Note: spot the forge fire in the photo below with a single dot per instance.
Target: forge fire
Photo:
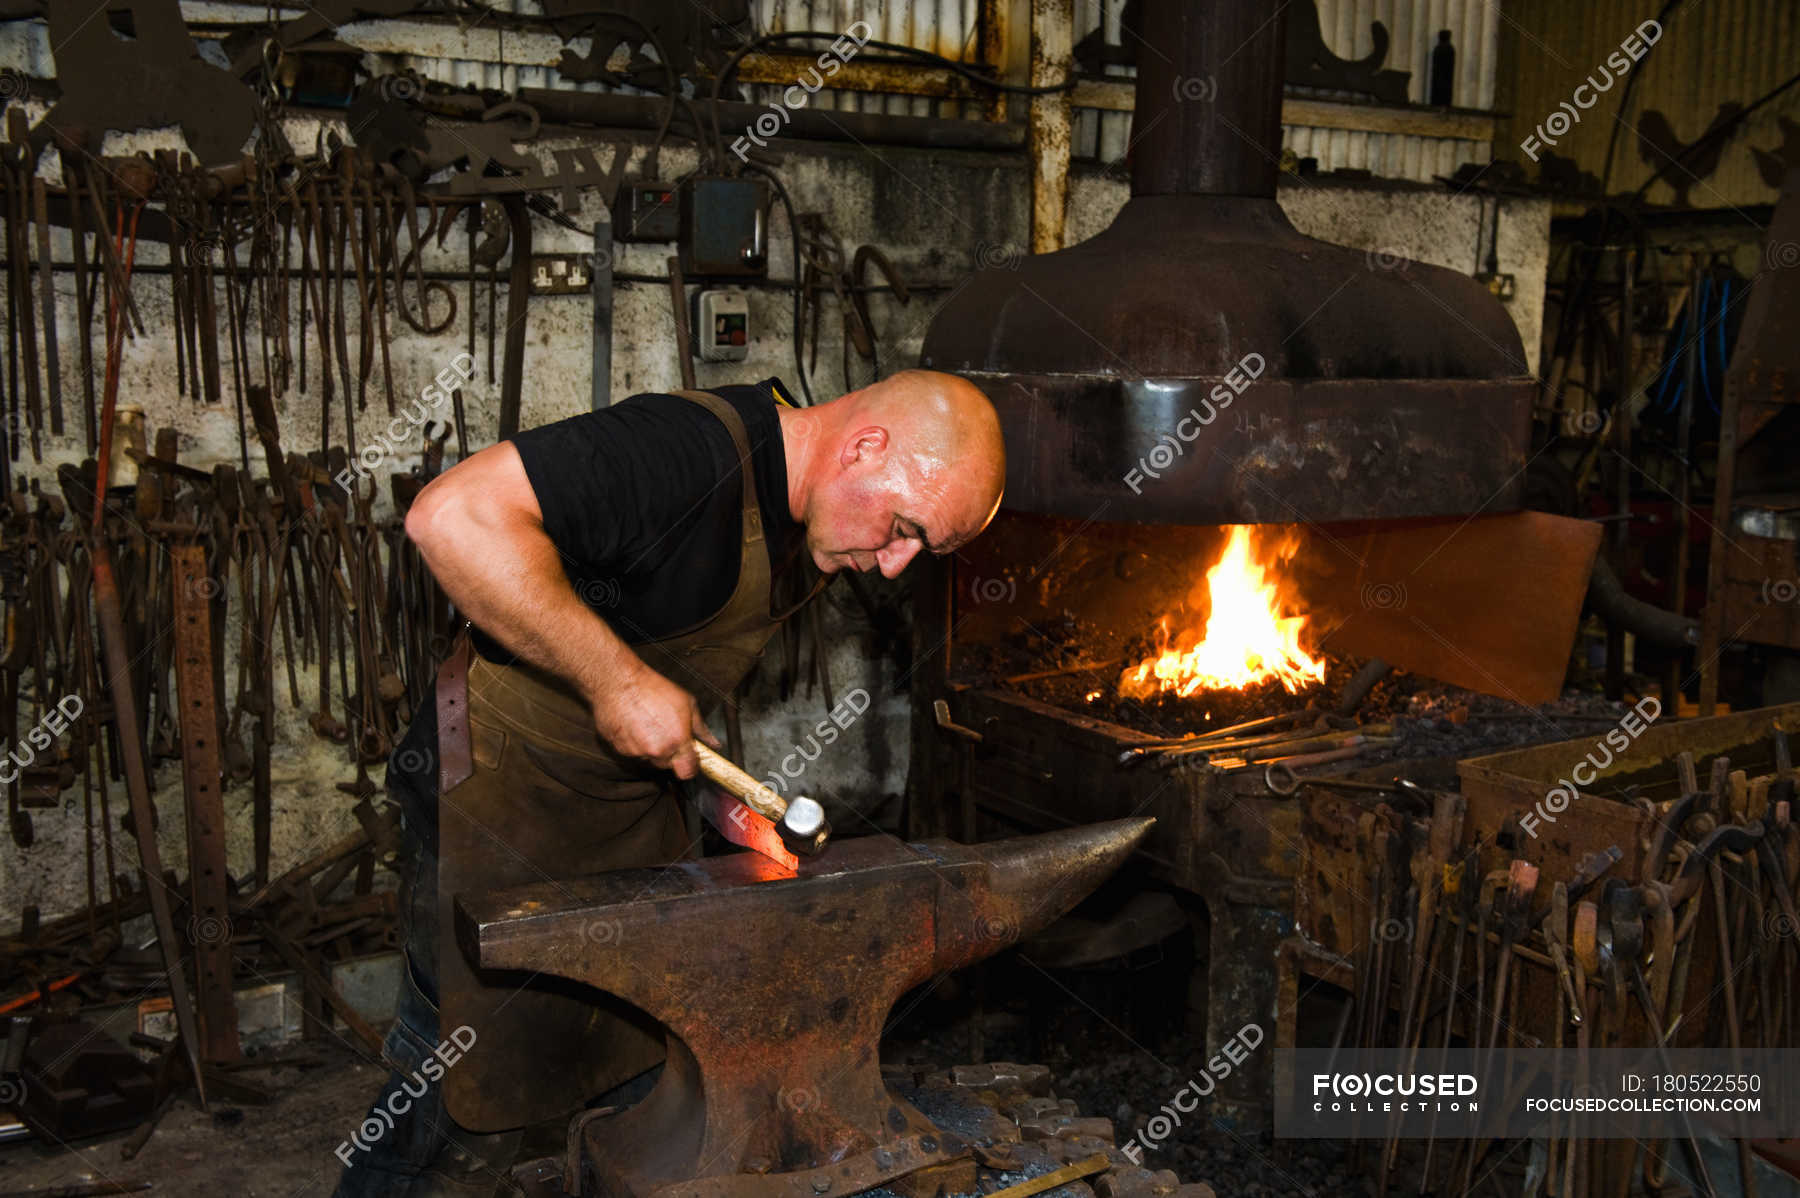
(1244, 638)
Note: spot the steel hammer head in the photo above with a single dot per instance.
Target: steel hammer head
(804, 828)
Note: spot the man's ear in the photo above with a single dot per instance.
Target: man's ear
(866, 443)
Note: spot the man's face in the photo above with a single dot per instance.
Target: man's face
(877, 512)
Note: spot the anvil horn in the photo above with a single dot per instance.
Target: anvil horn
(1026, 883)
(774, 990)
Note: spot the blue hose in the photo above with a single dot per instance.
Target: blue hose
(1668, 371)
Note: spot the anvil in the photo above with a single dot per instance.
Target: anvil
(774, 988)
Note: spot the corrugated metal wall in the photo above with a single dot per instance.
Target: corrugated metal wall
(946, 27)
(1347, 29)
(1385, 155)
(1712, 52)
(1413, 27)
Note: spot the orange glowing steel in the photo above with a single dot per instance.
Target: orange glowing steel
(1247, 639)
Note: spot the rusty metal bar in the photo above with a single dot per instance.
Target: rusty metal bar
(858, 75)
(209, 923)
(1005, 26)
(320, 984)
(137, 786)
(118, 666)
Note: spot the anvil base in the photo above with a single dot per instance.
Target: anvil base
(775, 989)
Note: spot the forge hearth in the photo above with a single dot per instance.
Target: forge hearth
(1033, 626)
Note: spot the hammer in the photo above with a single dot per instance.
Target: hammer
(801, 821)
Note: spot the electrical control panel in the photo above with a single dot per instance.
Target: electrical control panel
(725, 226)
(652, 212)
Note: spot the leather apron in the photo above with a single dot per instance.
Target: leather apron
(547, 799)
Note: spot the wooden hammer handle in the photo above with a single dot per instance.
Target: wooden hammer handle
(758, 796)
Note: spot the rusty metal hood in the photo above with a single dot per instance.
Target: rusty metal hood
(1185, 286)
(1202, 361)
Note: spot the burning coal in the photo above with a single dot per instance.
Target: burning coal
(1248, 637)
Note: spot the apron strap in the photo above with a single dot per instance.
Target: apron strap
(753, 532)
(455, 756)
(740, 437)
(755, 568)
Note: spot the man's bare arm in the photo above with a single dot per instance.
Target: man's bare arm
(478, 526)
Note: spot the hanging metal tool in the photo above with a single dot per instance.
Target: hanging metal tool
(518, 308)
(40, 204)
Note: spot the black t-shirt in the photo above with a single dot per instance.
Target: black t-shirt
(643, 502)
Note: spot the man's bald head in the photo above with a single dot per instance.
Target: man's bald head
(913, 462)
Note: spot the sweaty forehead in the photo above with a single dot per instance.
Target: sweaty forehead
(943, 511)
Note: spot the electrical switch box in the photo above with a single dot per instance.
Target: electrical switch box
(722, 325)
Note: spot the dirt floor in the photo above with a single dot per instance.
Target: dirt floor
(282, 1150)
(1116, 1061)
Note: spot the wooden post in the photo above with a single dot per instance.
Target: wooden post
(1052, 50)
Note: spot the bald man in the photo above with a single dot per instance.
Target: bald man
(622, 571)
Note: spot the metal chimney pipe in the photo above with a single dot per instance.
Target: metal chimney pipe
(1208, 118)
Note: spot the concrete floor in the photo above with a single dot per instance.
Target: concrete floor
(282, 1150)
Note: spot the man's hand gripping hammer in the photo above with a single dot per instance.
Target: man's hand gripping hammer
(800, 820)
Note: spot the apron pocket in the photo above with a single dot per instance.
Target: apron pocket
(601, 777)
(487, 744)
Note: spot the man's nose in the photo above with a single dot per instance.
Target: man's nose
(894, 556)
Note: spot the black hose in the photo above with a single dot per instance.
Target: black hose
(794, 230)
(1606, 596)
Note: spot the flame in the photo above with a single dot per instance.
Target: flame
(1247, 639)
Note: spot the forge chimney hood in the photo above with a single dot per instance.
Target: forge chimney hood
(1203, 362)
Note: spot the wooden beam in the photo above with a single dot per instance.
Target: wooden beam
(1382, 118)
(858, 75)
(1120, 95)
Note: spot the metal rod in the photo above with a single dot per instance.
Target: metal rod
(118, 676)
(1683, 490)
(683, 338)
(600, 277)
